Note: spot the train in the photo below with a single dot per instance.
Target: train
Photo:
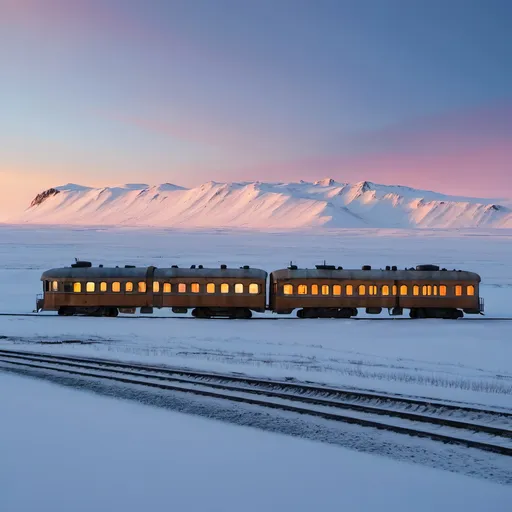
(327, 291)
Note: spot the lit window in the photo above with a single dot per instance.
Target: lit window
(77, 287)
(128, 287)
(458, 290)
(314, 289)
(415, 290)
(103, 287)
(349, 289)
(90, 287)
(395, 289)
(288, 289)
(182, 287)
(141, 287)
(372, 289)
(194, 287)
(254, 288)
(116, 287)
(471, 290)
(210, 288)
(361, 289)
(434, 289)
(167, 287)
(239, 288)
(427, 290)
(55, 286)
(336, 289)
(302, 289)
(156, 286)
(385, 290)
(403, 290)
(325, 289)
(224, 288)
(442, 290)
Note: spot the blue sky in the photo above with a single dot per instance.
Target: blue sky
(103, 92)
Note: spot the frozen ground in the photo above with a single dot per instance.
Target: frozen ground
(64, 450)
(468, 360)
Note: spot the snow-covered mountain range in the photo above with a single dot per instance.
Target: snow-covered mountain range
(263, 205)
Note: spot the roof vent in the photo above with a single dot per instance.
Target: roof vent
(394, 267)
(340, 268)
(81, 264)
(292, 267)
(246, 267)
(388, 267)
(223, 267)
(129, 266)
(325, 267)
(101, 266)
(366, 267)
(192, 266)
(427, 267)
(174, 266)
(200, 266)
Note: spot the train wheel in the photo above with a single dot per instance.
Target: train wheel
(112, 312)
(300, 313)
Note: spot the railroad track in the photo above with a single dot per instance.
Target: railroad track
(475, 427)
(155, 317)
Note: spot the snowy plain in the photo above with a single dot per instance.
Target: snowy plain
(468, 360)
(64, 449)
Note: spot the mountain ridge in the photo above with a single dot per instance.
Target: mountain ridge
(260, 205)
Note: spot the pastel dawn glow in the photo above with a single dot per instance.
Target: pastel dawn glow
(102, 92)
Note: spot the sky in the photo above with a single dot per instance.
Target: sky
(104, 92)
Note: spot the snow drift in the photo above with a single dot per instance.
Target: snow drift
(260, 205)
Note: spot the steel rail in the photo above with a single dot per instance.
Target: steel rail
(29, 361)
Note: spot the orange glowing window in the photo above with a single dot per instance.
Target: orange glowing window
(90, 287)
(434, 290)
(349, 289)
(362, 289)
(404, 290)
(194, 287)
(156, 287)
(395, 289)
(458, 290)
(77, 287)
(116, 286)
(224, 288)
(239, 288)
(325, 289)
(385, 290)
(210, 288)
(128, 287)
(415, 290)
(141, 287)
(167, 287)
(372, 289)
(427, 289)
(471, 290)
(254, 288)
(314, 289)
(336, 289)
(182, 288)
(55, 286)
(442, 290)
(103, 287)
(302, 289)
(288, 289)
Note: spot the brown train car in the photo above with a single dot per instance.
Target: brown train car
(327, 292)
(83, 289)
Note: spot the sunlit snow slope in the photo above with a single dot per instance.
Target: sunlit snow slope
(262, 205)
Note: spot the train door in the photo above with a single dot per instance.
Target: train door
(272, 292)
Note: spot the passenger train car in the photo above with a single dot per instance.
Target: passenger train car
(324, 292)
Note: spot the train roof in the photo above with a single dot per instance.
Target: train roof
(141, 272)
(375, 275)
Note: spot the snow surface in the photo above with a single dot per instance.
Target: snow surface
(261, 205)
(64, 450)
(468, 360)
